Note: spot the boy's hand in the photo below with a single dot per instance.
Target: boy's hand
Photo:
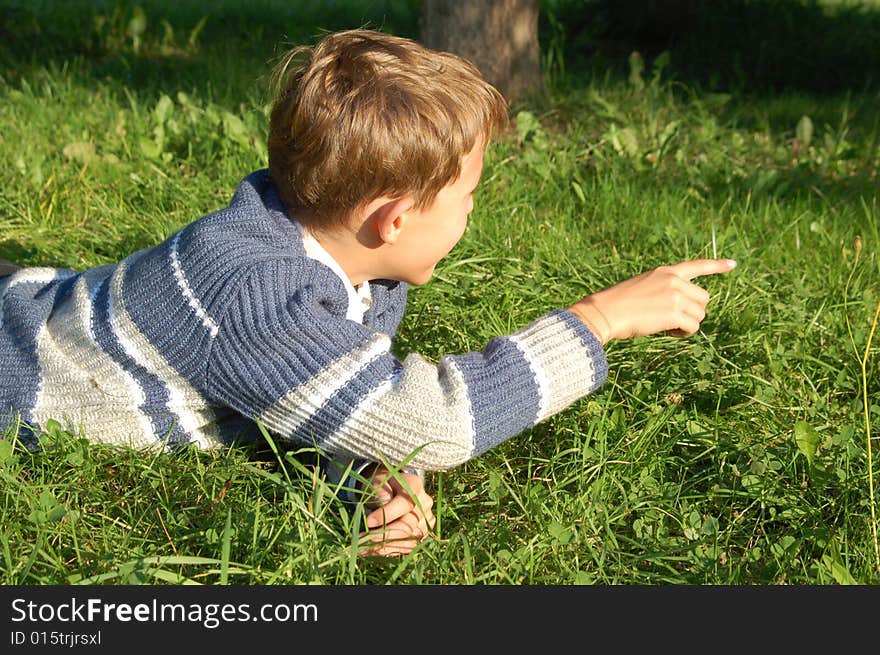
(400, 520)
(661, 300)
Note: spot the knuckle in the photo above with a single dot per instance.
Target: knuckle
(677, 300)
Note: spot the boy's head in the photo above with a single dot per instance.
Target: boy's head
(364, 115)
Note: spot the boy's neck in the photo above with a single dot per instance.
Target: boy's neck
(356, 259)
(366, 246)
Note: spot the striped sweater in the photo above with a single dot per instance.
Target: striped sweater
(229, 321)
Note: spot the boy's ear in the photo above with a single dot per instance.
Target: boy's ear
(390, 217)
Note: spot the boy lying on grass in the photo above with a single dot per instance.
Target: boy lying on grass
(281, 307)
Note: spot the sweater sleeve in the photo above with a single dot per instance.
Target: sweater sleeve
(286, 357)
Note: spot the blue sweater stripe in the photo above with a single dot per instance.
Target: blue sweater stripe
(277, 336)
(157, 306)
(255, 360)
(18, 341)
(503, 392)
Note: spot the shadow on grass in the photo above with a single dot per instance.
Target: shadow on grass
(737, 46)
(15, 252)
(732, 45)
(151, 47)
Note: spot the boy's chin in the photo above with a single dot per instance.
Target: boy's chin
(419, 279)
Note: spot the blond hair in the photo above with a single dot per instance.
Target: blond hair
(364, 114)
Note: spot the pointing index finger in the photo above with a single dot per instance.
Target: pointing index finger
(697, 267)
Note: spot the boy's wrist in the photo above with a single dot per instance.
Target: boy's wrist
(589, 313)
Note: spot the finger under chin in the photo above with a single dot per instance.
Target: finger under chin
(395, 533)
(389, 513)
(396, 548)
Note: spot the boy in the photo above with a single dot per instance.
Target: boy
(281, 307)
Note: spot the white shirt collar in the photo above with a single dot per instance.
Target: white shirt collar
(359, 298)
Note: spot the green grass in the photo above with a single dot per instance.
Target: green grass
(738, 456)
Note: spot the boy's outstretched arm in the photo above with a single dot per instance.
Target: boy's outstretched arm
(661, 300)
(283, 358)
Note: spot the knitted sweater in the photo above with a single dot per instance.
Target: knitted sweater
(228, 321)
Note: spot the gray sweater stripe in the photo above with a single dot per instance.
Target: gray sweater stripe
(333, 414)
(588, 340)
(154, 392)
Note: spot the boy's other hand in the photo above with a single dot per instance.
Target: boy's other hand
(661, 300)
(402, 517)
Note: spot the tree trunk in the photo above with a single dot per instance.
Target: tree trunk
(500, 37)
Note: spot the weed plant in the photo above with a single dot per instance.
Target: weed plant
(741, 455)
